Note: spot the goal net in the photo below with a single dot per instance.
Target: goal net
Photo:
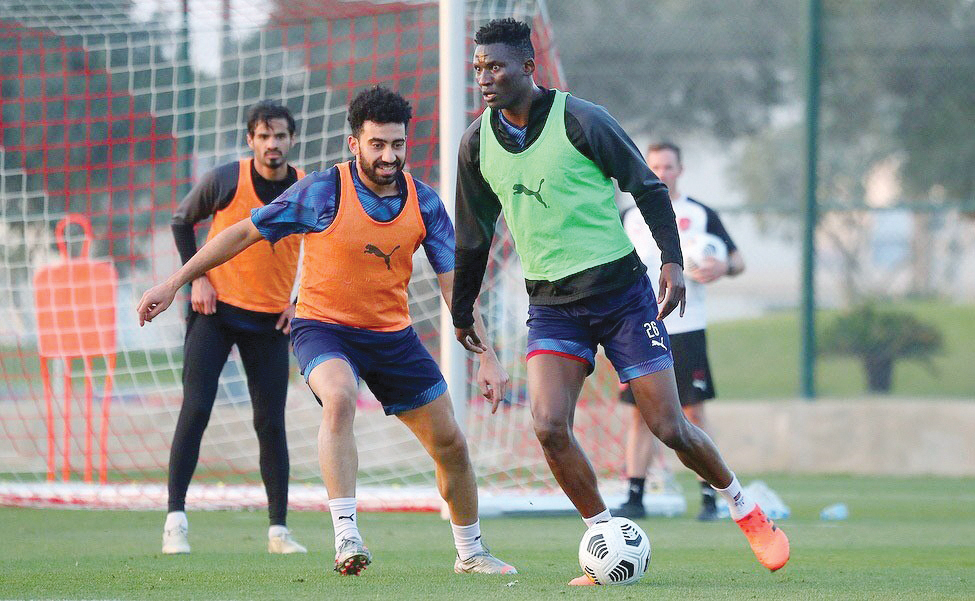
(109, 109)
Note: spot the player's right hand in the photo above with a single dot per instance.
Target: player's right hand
(671, 290)
(203, 297)
(155, 300)
(469, 338)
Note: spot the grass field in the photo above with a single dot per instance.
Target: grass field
(910, 538)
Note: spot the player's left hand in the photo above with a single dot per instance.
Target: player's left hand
(155, 300)
(671, 290)
(492, 379)
(711, 270)
(469, 338)
(284, 320)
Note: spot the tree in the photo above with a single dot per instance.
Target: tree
(880, 338)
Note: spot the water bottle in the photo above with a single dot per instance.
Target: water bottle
(836, 511)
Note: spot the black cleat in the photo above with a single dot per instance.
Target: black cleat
(632, 511)
(709, 513)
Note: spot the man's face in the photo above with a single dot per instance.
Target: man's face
(501, 74)
(664, 163)
(271, 143)
(380, 150)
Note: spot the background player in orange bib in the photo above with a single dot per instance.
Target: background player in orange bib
(245, 302)
(362, 221)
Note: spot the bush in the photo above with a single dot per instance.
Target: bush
(879, 338)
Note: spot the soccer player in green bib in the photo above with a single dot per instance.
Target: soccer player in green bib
(545, 159)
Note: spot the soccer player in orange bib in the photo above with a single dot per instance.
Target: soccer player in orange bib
(245, 302)
(361, 222)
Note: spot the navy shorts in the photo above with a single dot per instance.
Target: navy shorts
(395, 365)
(691, 369)
(623, 321)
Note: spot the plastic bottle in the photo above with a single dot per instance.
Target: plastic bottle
(836, 511)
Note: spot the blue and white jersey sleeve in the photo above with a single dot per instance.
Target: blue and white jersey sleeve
(307, 206)
(439, 241)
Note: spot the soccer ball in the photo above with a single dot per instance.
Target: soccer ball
(614, 552)
(703, 246)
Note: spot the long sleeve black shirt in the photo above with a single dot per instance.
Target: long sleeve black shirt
(214, 192)
(599, 137)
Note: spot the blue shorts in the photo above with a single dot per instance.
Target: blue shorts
(395, 365)
(623, 321)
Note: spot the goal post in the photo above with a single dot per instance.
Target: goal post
(453, 110)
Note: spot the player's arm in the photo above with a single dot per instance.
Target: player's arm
(736, 262)
(477, 209)
(212, 193)
(220, 249)
(598, 136)
(492, 379)
(713, 269)
(439, 245)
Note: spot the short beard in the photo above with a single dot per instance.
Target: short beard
(274, 162)
(370, 172)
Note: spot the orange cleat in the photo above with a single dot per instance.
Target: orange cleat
(769, 543)
(583, 580)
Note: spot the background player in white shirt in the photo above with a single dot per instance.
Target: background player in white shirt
(687, 338)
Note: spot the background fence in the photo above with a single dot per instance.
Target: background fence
(729, 83)
(110, 109)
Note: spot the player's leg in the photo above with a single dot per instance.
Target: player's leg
(434, 426)
(408, 383)
(336, 386)
(437, 430)
(554, 383)
(694, 386)
(657, 400)
(205, 352)
(561, 353)
(266, 362)
(656, 396)
(639, 348)
(709, 509)
(330, 368)
(639, 451)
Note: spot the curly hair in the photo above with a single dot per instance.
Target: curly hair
(266, 110)
(510, 32)
(379, 105)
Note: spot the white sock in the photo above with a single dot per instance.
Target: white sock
(176, 518)
(739, 503)
(603, 516)
(467, 539)
(277, 530)
(344, 519)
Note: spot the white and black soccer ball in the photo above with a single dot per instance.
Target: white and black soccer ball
(700, 247)
(615, 552)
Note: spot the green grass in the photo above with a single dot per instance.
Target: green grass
(759, 358)
(907, 538)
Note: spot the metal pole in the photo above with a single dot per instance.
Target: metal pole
(184, 102)
(808, 358)
(453, 85)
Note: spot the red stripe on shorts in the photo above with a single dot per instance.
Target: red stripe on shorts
(557, 353)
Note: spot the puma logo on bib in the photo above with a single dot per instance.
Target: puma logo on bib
(537, 194)
(372, 249)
